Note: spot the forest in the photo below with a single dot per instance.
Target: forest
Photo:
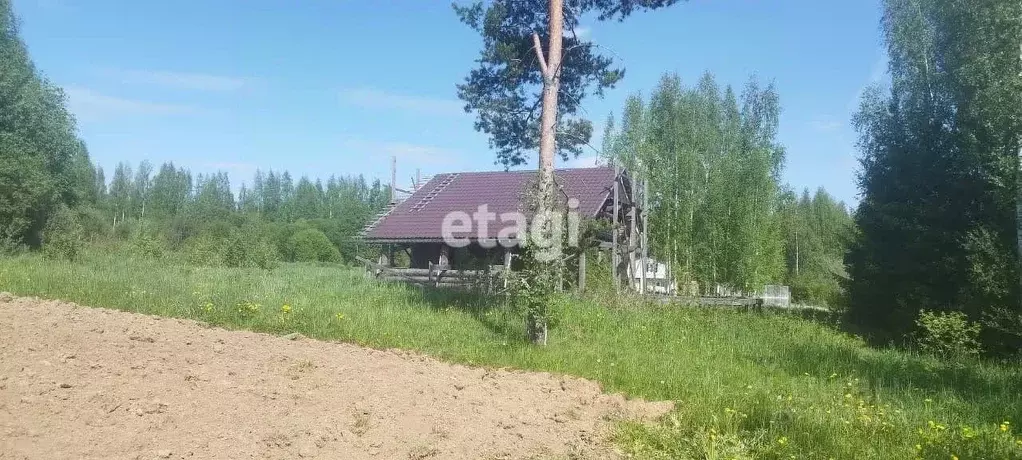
(719, 214)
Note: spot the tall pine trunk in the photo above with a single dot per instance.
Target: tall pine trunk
(1018, 201)
(1018, 220)
(551, 67)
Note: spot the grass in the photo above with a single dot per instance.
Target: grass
(748, 385)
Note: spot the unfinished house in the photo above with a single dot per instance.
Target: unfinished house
(414, 249)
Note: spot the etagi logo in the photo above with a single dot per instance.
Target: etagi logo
(546, 231)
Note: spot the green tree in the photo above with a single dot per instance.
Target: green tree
(42, 161)
(713, 165)
(938, 218)
(525, 96)
(120, 191)
(170, 191)
(308, 200)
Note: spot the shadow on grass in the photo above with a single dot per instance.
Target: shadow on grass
(980, 384)
(490, 310)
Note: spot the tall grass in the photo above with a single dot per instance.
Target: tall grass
(748, 385)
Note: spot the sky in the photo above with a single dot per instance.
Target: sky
(321, 87)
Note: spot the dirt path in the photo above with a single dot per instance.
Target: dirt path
(80, 382)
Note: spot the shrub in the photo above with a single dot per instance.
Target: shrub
(948, 334)
(246, 248)
(146, 243)
(1002, 332)
(95, 225)
(123, 230)
(62, 235)
(204, 251)
(240, 249)
(311, 245)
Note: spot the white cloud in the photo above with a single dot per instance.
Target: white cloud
(584, 162)
(583, 32)
(179, 80)
(370, 98)
(91, 105)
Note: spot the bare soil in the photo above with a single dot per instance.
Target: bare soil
(78, 382)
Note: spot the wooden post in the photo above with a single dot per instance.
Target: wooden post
(507, 266)
(634, 238)
(613, 252)
(582, 271)
(645, 238)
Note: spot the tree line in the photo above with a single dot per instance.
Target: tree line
(718, 215)
(51, 195)
(43, 163)
(273, 196)
(181, 206)
(941, 207)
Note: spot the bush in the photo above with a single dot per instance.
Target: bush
(146, 243)
(239, 249)
(95, 225)
(246, 248)
(125, 229)
(263, 254)
(63, 235)
(312, 245)
(1002, 333)
(948, 334)
(204, 251)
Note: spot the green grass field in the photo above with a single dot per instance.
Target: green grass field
(748, 385)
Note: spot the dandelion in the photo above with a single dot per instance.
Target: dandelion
(783, 440)
(1005, 425)
(339, 316)
(285, 309)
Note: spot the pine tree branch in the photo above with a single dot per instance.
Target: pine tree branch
(539, 53)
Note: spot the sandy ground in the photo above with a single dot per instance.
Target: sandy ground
(79, 382)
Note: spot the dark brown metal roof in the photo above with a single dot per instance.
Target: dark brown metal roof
(420, 217)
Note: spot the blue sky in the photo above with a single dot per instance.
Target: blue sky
(322, 87)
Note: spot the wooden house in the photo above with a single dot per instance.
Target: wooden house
(411, 232)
